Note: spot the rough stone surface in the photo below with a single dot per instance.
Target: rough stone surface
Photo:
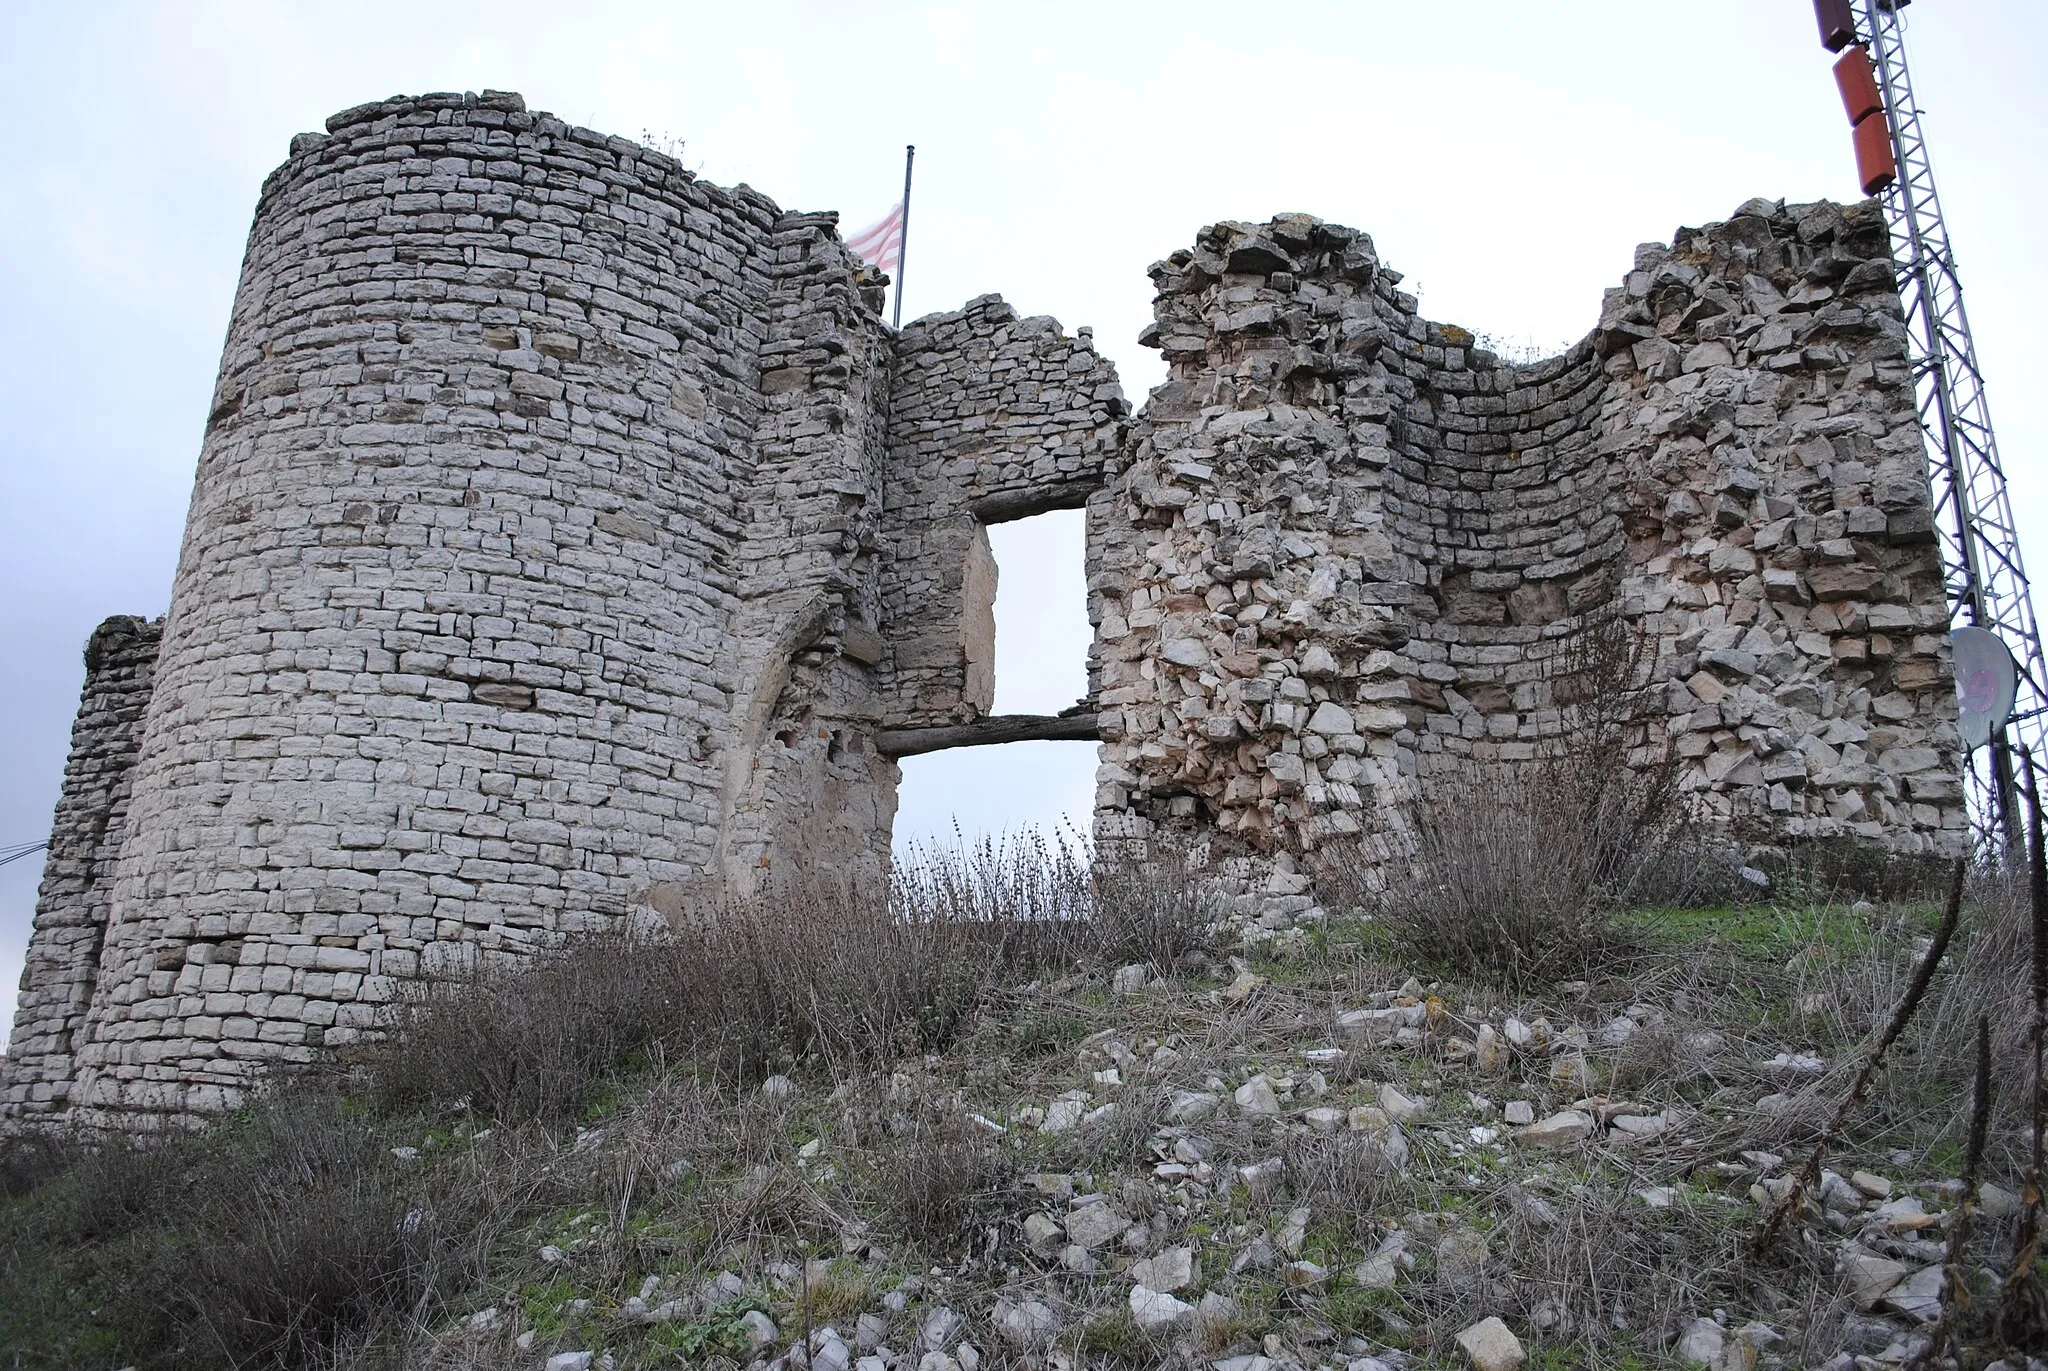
(57, 985)
(1492, 1346)
(568, 531)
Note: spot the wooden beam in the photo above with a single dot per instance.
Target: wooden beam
(997, 728)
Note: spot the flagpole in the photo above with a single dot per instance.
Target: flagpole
(903, 236)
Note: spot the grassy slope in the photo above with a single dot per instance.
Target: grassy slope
(894, 1192)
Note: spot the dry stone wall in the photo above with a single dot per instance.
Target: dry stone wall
(57, 985)
(569, 536)
(992, 418)
(1353, 546)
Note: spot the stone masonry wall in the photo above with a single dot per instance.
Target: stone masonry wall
(57, 982)
(448, 669)
(992, 418)
(1351, 546)
(566, 531)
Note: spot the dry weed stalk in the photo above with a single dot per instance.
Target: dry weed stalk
(1955, 1289)
(1923, 975)
(2023, 1306)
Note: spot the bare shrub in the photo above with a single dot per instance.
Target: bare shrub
(1593, 1267)
(1519, 869)
(1343, 1178)
(807, 973)
(1151, 909)
(938, 1180)
(274, 1240)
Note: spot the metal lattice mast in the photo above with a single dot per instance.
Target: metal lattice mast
(1980, 550)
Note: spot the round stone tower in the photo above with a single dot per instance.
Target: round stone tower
(440, 671)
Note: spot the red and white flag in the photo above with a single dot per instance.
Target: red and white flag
(880, 245)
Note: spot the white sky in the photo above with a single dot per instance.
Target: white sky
(1506, 154)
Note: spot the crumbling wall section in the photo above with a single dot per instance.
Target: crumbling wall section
(1351, 547)
(1781, 534)
(991, 417)
(801, 783)
(62, 966)
(1252, 604)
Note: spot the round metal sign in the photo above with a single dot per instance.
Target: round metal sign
(1986, 683)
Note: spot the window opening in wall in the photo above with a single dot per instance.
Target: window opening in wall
(1041, 667)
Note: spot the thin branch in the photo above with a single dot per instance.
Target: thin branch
(2021, 1316)
(1902, 1014)
(1955, 1289)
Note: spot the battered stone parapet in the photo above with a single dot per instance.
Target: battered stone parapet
(567, 531)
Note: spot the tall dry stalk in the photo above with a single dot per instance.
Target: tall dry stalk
(1873, 1058)
(1955, 1289)
(2023, 1306)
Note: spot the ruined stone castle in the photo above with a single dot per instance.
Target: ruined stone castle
(574, 543)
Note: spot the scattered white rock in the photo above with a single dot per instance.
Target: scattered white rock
(1565, 1126)
(760, 1330)
(778, 1087)
(1489, 1053)
(1519, 1112)
(1304, 1275)
(940, 1328)
(1261, 1177)
(1190, 1106)
(1257, 1097)
(1173, 1269)
(1155, 1311)
(1128, 980)
(1703, 1343)
(1092, 1225)
(1641, 1125)
(1026, 1322)
(831, 1354)
(1996, 1201)
(1616, 1031)
(1870, 1276)
(1492, 1346)
(1399, 1107)
(1658, 1196)
(1294, 1233)
(1380, 1270)
(1919, 1295)
(1571, 1072)
(1043, 1233)
(1063, 1116)
(569, 1361)
(1243, 987)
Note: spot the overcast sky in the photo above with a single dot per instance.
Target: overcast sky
(1506, 154)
